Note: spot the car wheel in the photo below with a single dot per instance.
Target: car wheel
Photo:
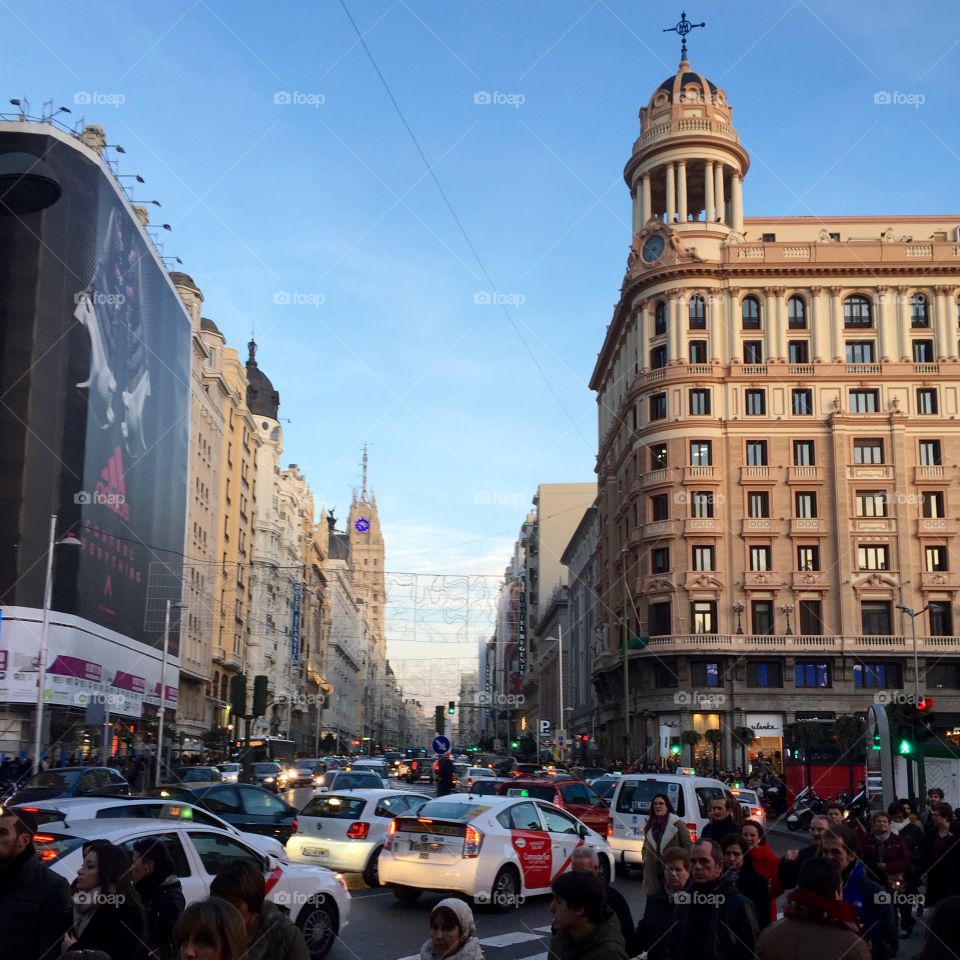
(371, 873)
(406, 894)
(319, 924)
(506, 890)
(605, 869)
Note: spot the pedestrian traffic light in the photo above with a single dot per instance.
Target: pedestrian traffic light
(238, 695)
(675, 749)
(906, 747)
(925, 704)
(260, 695)
(514, 744)
(451, 708)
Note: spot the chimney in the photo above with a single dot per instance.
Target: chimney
(190, 295)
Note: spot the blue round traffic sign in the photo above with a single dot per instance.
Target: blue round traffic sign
(441, 745)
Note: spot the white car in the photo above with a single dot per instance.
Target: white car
(749, 800)
(477, 773)
(229, 771)
(494, 849)
(350, 780)
(346, 830)
(70, 809)
(316, 899)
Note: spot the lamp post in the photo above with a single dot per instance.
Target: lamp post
(738, 609)
(787, 608)
(913, 614)
(163, 686)
(68, 540)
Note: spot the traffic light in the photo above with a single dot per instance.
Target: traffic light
(675, 749)
(906, 747)
(925, 704)
(438, 719)
(260, 695)
(238, 695)
(514, 744)
(876, 742)
(451, 708)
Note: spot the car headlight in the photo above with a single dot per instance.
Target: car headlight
(268, 779)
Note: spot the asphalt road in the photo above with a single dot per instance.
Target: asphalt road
(382, 928)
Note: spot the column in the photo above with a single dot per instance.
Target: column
(944, 332)
(673, 338)
(671, 193)
(888, 333)
(643, 335)
(780, 293)
(682, 190)
(736, 203)
(820, 345)
(733, 326)
(715, 324)
(770, 338)
(718, 191)
(836, 324)
(903, 323)
(708, 189)
(637, 214)
(647, 204)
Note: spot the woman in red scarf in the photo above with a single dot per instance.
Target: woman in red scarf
(764, 861)
(663, 830)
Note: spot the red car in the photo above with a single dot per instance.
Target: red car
(575, 796)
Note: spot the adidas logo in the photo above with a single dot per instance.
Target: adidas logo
(112, 486)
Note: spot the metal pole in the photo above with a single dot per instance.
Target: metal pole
(916, 660)
(626, 663)
(163, 693)
(563, 716)
(44, 637)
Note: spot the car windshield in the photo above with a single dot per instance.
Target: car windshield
(228, 767)
(531, 790)
(450, 810)
(635, 795)
(54, 780)
(335, 808)
(357, 781)
(266, 767)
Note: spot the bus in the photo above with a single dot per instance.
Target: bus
(260, 749)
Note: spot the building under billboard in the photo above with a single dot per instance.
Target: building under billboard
(94, 423)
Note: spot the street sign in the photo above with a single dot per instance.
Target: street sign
(441, 745)
(546, 743)
(544, 728)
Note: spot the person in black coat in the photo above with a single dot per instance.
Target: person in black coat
(586, 859)
(739, 868)
(445, 774)
(34, 901)
(160, 891)
(655, 927)
(791, 863)
(107, 914)
(941, 859)
(723, 819)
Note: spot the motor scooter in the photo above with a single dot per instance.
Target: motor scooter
(806, 806)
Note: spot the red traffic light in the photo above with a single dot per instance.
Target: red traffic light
(925, 703)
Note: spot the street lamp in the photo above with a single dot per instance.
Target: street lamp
(738, 609)
(913, 614)
(787, 608)
(71, 541)
(163, 686)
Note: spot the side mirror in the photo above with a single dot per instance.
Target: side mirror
(584, 831)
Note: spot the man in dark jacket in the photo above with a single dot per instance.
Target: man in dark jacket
(656, 925)
(34, 901)
(585, 928)
(722, 818)
(586, 859)
(873, 904)
(791, 863)
(712, 919)
(160, 891)
(445, 774)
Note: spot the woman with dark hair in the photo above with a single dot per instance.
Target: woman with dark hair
(741, 871)
(107, 914)
(942, 941)
(159, 889)
(210, 930)
(761, 859)
(941, 856)
(663, 831)
(453, 933)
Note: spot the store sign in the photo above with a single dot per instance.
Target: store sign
(669, 728)
(766, 724)
(522, 636)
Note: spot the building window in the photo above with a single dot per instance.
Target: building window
(660, 319)
(941, 619)
(658, 406)
(811, 674)
(758, 503)
(753, 351)
(923, 351)
(869, 676)
(765, 673)
(796, 313)
(698, 313)
(699, 403)
(808, 557)
(873, 557)
(919, 314)
(658, 456)
(703, 558)
(701, 504)
(756, 403)
(806, 504)
(697, 351)
(659, 507)
(802, 401)
(876, 618)
(659, 619)
(660, 560)
(768, 238)
(933, 505)
(761, 617)
(658, 357)
(665, 674)
(857, 312)
(757, 453)
(804, 453)
(869, 450)
(798, 351)
(871, 503)
(935, 558)
(705, 673)
(701, 453)
(930, 453)
(760, 558)
(704, 615)
(927, 402)
(864, 401)
(860, 351)
(810, 621)
(750, 313)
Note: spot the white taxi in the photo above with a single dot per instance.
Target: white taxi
(497, 850)
(315, 899)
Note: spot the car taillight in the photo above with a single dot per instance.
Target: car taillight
(391, 830)
(692, 827)
(296, 823)
(756, 812)
(609, 827)
(358, 830)
(472, 842)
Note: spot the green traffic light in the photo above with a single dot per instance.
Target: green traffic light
(514, 744)
(675, 749)
(905, 747)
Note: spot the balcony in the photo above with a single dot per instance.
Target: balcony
(810, 580)
(940, 580)
(805, 526)
(655, 583)
(874, 525)
(636, 536)
(762, 579)
(928, 474)
(695, 525)
(805, 474)
(699, 474)
(936, 527)
(653, 478)
(870, 471)
(755, 525)
(758, 475)
(219, 655)
(658, 528)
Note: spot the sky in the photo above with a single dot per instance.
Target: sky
(450, 317)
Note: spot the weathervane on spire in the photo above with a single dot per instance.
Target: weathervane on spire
(683, 28)
(363, 493)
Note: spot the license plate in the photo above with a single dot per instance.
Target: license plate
(424, 855)
(638, 831)
(314, 852)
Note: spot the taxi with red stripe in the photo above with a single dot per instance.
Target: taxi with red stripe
(497, 850)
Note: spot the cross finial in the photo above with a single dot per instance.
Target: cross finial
(682, 29)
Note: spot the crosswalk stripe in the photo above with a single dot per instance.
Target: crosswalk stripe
(546, 929)
(508, 939)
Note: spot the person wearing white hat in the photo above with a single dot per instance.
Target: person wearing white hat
(453, 933)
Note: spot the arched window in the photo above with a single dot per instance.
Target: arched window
(857, 311)
(750, 312)
(919, 312)
(796, 313)
(660, 319)
(698, 313)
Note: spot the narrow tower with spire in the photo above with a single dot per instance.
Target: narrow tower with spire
(367, 557)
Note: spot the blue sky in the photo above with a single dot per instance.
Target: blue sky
(324, 198)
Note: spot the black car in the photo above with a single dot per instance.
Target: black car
(421, 768)
(247, 807)
(71, 782)
(266, 774)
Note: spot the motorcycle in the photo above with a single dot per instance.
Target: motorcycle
(773, 801)
(806, 806)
